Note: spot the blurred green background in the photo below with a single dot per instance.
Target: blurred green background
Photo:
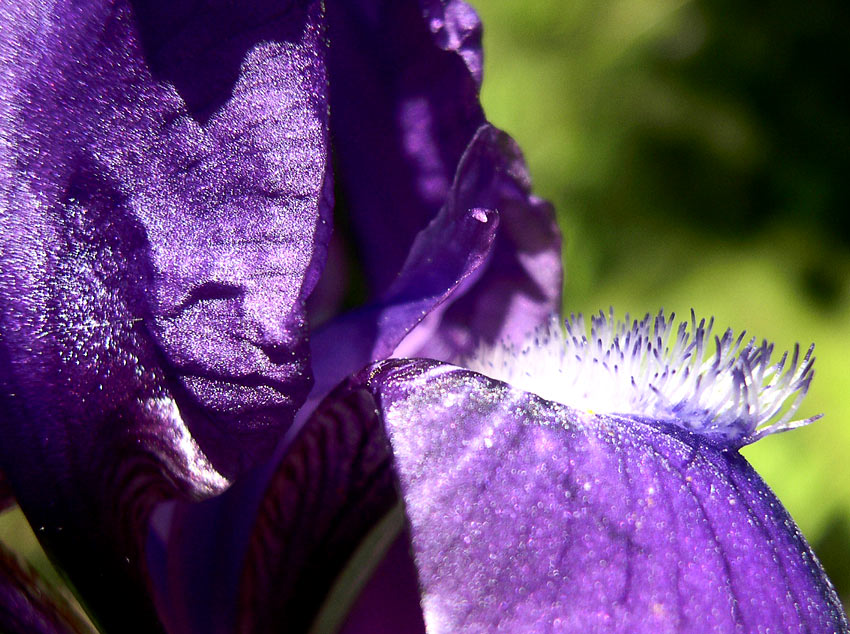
(697, 154)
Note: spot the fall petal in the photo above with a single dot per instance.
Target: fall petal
(525, 513)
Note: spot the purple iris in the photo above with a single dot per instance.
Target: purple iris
(205, 443)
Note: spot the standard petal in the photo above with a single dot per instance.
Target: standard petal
(28, 607)
(528, 515)
(404, 106)
(486, 268)
(448, 254)
(193, 142)
(520, 286)
(164, 201)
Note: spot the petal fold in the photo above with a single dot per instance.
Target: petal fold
(165, 204)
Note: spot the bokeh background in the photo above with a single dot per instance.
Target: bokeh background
(698, 154)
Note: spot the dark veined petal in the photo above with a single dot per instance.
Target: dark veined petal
(404, 106)
(27, 606)
(262, 556)
(163, 174)
(526, 515)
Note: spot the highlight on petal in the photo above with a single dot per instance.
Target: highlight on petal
(165, 197)
(527, 514)
(724, 387)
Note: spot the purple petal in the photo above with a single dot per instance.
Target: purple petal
(520, 286)
(280, 536)
(165, 198)
(445, 256)
(463, 280)
(27, 606)
(404, 106)
(525, 515)
(528, 515)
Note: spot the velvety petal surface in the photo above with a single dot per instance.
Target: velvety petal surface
(404, 106)
(28, 607)
(524, 516)
(163, 174)
(530, 516)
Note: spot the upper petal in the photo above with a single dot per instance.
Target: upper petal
(163, 172)
(404, 106)
(487, 267)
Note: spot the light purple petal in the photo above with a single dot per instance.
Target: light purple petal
(27, 606)
(163, 175)
(404, 106)
(530, 516)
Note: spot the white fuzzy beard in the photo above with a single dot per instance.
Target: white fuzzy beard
(728, 391)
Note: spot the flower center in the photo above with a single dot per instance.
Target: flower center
(652, 369)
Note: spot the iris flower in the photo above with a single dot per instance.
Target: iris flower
(203, 442)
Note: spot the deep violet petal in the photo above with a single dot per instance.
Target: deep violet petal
(466, 278)
(529, 516)
(404, 106)
(27, 606)
(164, 204)
(280, 535)
(449, 252)
(519, 288)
